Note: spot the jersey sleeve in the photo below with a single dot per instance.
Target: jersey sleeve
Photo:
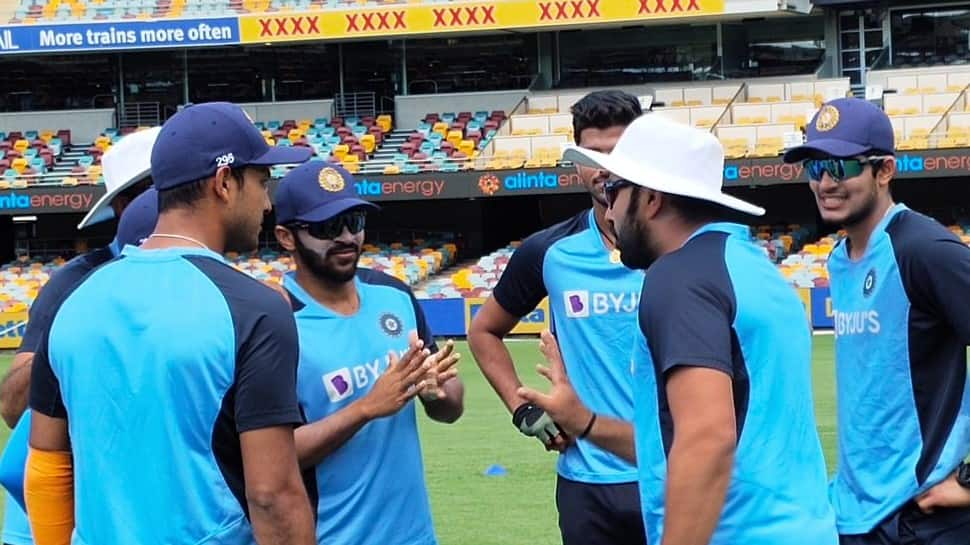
(266, 366)
(521, 287)
(687, 322)
(45, 390)
(424, 330)
(937, 278)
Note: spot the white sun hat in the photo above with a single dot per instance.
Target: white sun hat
(124, 164)
(669, 157)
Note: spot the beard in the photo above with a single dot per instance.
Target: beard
(242, 237)
(865, 210)
(322, 266)
(635, 243)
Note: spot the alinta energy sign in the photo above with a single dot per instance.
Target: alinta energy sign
(950, 163)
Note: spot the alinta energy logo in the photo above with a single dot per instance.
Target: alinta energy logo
(540, 181)
(489, 184)
(13, 200)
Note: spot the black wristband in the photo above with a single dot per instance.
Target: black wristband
(589, 427)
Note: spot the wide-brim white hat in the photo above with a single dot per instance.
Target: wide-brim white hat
(666, 156)
(124, 164)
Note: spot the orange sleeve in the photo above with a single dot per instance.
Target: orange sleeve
(49, 493)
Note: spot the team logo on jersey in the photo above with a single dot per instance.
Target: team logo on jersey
(869, 283)
(338, 384)
(828, 118)
(391, 324)
(577, 303)
(331, 180)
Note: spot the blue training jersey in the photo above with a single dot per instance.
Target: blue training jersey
(16, 527)
(593, 300)
(159, 360)
(371, 489)
(902, 326)
(718, 303)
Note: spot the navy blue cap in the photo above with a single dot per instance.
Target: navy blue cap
(316, 191)
(846, 127)
(198, 140)
(139, 219)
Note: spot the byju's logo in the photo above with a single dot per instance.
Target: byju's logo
(338, 384)
(583, 304)
(577, 303)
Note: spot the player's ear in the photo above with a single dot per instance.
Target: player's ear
(886, 172)
(650, 202)
(223, 184)
(285, 237)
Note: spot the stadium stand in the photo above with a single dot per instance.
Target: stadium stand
(411, 262)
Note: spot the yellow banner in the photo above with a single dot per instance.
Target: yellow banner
(464, 17)
(12, 332)
(533, 323)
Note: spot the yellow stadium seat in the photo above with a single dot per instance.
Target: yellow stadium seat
(340, 151)
(368, 142)
(440, 128)
(21, 145)
(385, 122)
(69, 181)
(392, 169)
(94, 173)
(467, 147)
(47, 136)
(294, 135)
(19, 164)
(455, 137)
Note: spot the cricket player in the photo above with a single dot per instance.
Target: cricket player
(593, 301)
(726, 443)
(180, 398)
(359, 371)
(127, 174)
(899, 283)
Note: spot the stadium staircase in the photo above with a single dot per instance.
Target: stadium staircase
(69, 159)
(391, 146)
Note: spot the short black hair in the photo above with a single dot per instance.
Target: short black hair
(604, 109)
(187, 195)
(697, 210)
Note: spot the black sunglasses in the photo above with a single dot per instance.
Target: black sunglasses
(334, 227)
(612, 187)
(840, 169)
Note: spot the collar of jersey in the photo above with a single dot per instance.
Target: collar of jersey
(165, 254)
(311, 305)
(721, 227)
(880, 228)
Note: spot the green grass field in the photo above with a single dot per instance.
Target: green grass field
(519, 507)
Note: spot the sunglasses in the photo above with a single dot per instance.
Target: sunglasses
(612, 187)
(839, 169)
(334, 227)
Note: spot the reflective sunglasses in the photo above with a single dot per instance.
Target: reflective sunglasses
(612, 187)
(334, 227)
(839, 169)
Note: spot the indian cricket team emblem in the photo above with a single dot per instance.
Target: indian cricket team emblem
(391, 324)
(331, 180)
(828, 118)
(869, 283)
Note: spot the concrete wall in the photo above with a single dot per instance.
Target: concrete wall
(85, 125)
(295, 110)
(409, 110)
